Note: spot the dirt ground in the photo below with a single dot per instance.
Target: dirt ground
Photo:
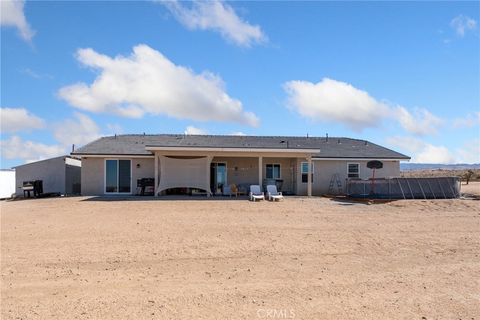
(83, 258)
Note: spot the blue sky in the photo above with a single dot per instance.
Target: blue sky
(404, 74)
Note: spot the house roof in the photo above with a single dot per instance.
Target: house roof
(44, 160)
(333, 147)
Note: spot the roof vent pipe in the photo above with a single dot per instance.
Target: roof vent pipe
(73, 147)
(326, 137)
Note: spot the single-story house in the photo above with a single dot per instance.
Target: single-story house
(58, 175)
(113, 165)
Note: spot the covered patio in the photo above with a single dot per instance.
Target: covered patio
(212, 169)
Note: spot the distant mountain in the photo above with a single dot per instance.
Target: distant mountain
(432, 166)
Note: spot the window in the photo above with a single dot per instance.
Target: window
(272, 171)
(117, 176)
(353, 170)
(304, 172)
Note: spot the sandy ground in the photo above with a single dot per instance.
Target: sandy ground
(473, 188)
(80, 258)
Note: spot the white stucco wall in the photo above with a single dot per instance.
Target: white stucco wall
(325, 169)
(240, 170)
(92, 176)
(93, 173)
(73, 171)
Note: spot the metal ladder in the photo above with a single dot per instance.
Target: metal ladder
(335, 180)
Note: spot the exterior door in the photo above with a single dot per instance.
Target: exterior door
(118, 176)
(218, 176)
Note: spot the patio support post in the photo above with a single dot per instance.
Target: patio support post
(309, 176)
(156, 180)
(209, 162)
(260, 175)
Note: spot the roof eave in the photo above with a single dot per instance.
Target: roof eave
(234, 149)
(364, 158)
(106, 155)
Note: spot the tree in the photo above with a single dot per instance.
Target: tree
(468, 175)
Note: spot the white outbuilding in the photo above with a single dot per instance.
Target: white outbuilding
(58, 175)
(7, 183)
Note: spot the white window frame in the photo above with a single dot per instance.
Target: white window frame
(279, 170)
(301, 171)
(118, 168)
(348, 169)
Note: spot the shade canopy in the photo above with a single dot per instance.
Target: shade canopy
(176, 172)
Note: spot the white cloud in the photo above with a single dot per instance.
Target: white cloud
(199, 131)
(33, 74)
(469, 121)
(17, 148)
(332, 100)
(422, 152)
(237, 133)
(408, 144)
(469, 152)
(147, 82)
(195, 131)
(434, 154)
(18, 119)
(114, 128)
(462, 23)
(218, 16)
(12, 15)
(422, 122)
(78, 131)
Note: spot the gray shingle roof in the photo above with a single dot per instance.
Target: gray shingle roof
(331, 148)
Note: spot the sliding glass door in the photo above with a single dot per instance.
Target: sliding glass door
(218, 176)
(118, 176)
(111, 176)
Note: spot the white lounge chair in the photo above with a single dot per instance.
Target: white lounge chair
(273, 194)
(255, 193)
